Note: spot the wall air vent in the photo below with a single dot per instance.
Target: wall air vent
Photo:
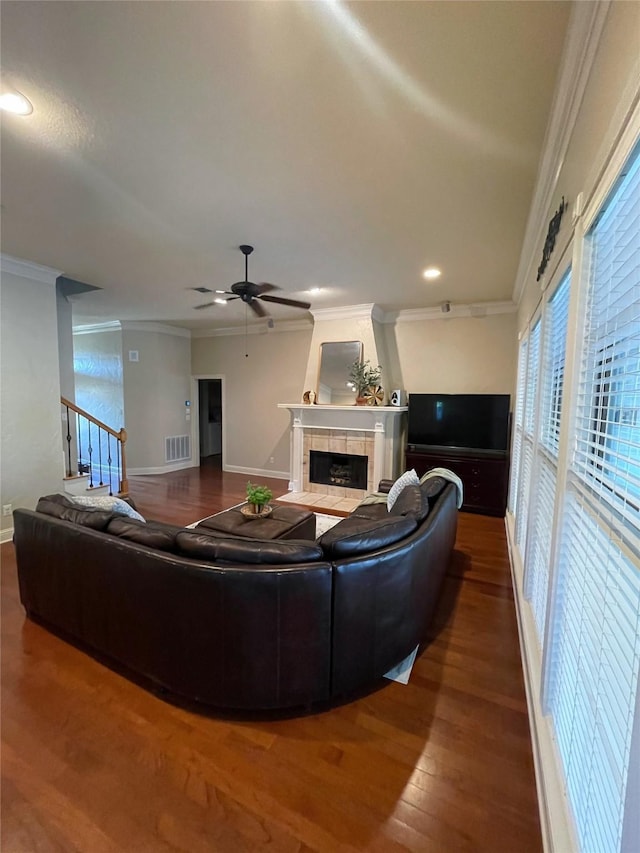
(177, 448)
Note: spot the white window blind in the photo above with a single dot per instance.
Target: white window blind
(518, 426)
(595, 621)
(538, 554)
(528, 435)
(608, 426)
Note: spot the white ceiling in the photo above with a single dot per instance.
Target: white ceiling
(351, 144)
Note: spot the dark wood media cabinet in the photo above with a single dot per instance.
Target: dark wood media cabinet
(485, 476)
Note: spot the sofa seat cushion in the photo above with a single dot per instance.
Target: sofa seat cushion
(354, 535)
(61, 507)
(153, 534)
(216, 548)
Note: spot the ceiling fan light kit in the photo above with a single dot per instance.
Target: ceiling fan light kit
(250, 293)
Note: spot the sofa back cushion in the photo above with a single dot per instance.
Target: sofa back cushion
(411, 501)
(61, 507)
(432, 487)
(153, 534)
(355, 535)
(272, 552)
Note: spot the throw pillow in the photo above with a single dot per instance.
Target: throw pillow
(107, 502)
(409, 478)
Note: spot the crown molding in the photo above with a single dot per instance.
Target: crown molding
(476, 309)
(255, 329)
(131, 326)
(96, 328)
(27, 269)
(583, 37)
(161, 328)
(369, 311)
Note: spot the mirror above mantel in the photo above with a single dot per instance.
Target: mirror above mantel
(336, 358)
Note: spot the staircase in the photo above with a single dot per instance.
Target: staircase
(94, 454)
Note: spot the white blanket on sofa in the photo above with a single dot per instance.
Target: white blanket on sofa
(445, 473)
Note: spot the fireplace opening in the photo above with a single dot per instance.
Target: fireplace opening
(338, 469)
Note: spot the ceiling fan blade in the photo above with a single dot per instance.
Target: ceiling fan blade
(204, 305)
(281, 301)
(216, 302)
(257, 308)
(265, 287)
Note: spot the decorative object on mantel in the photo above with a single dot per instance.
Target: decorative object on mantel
(374, 395)
(364, 377)
(258, 498)
(309, 398)
(550, 242)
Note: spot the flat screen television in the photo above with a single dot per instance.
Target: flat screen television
(462, 421)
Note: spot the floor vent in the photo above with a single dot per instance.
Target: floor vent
(177, 448)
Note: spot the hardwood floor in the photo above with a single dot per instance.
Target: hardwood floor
(92, 762)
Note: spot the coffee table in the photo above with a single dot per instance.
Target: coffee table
(284, 522)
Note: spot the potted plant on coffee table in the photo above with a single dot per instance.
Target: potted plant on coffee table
(258, 498)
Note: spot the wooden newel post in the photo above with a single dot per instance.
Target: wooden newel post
(124, 483)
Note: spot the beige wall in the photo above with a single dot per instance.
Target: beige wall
(474, 355)
(31, 461)
(611, 87)
(155, 390)
(254, 429)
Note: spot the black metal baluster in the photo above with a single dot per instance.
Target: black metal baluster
(109, 460)
(100, 453)
(79, 431)
(69, 469)
(90, 454)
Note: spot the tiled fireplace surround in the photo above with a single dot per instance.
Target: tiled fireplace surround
(369, 431)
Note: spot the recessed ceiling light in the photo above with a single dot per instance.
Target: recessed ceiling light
(315, 289)
(15, 102)
(432, 272)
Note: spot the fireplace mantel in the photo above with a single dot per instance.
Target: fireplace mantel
(384, 422)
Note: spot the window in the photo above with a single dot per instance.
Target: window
(594, 649)
(528, 435)
(543, 497)
(518, 424)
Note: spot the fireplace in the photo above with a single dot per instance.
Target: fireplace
(347, 470)
(372, 434)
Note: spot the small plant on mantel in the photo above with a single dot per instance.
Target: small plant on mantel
(363, 376)
(258, 496)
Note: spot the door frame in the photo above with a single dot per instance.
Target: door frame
(195, 416)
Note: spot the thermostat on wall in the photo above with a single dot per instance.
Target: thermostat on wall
(133, 355)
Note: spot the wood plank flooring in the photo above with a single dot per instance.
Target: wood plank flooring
(92, 762)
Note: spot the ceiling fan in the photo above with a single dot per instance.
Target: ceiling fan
(250, 293)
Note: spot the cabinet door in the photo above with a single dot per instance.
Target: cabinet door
(484, 479)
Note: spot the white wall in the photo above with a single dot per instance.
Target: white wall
(31, 460)
(97, 358)
(610, 89)
(155, 390)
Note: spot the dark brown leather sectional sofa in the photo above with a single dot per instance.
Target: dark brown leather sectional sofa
(255, 625)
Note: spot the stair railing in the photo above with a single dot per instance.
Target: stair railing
(94, 449)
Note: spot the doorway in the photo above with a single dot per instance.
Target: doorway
(210, 420)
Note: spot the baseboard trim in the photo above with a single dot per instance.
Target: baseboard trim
(6, 535)
(556, 822)
(257, 472)
(162, 469)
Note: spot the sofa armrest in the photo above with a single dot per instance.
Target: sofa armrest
(385, 485)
